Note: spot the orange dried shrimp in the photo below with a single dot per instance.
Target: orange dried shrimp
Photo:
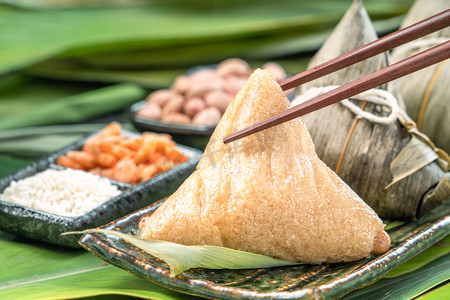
(132, 160)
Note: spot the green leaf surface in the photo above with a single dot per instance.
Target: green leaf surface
(34, 142)
(438, 250)
(150, 78)
(408, 285)
(11, 164)
(31, 36)
(41, 271)
(38, 271)
(439, 293)
(181, 258)
(41, 105)
(70, 70)
(42, 140)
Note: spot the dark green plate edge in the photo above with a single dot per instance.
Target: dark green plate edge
(420, 235)
(47, 227)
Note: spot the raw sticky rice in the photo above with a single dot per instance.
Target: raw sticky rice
(64, 192)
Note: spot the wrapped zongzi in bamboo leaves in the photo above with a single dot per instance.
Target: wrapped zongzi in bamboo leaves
(425, 92)
(361, 138)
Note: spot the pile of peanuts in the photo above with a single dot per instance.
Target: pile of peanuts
(203, 96)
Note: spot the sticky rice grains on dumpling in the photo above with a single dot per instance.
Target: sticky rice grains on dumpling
(268, 193)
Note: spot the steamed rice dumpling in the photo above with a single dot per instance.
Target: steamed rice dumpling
(362, 151)
(425, 92)
(268, 193)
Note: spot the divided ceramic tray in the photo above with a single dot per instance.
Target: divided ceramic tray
(43, 226)
(326, 281)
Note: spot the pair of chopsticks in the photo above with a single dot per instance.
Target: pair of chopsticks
(402, 68)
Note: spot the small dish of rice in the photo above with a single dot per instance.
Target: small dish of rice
(63, 192)
(43, 200)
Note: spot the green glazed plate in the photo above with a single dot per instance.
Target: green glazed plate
(326, 281)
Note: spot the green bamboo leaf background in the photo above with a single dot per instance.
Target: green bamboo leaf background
(69, 61)
(156, 34)
(409, 285)
(37, 271)
(75, 108)
(147, 44)
(77, 273)
(437, 294)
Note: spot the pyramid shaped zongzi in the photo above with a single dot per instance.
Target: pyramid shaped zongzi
(268, 193)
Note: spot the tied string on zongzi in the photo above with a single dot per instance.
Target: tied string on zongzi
(386, 99)
(375, 96)
(400, 69)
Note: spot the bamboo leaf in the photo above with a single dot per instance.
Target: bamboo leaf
(436, 294)
(38, 271)
(11, 164)
(150, 78)
(29, 269)
(31, 36)
(67, 69)
(409, 285)
(37, 141)
(58, 4)
(414, 156)
(181, 258)
(438, 250)
(73, 108)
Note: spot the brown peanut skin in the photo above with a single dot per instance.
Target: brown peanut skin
(218, 99)
(175, 105)
(181, 84)
(160, 97)
(234, 67)
(193, 106)
(176, 118)
(199, 88)
(276, 70)
(209, 117)
(151, 111)
(233, 84)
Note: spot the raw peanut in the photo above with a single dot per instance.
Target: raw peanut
(175, 105)
(176, 118)
(276, 70)
(181, 84)
(233, 84)
(161, 97)
(202, 74)
(199, 88)
(234, 67)
(193, 106)
(209, 116)
(218, 99)
(151, 111)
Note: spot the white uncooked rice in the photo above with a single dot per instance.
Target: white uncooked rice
(62, 192)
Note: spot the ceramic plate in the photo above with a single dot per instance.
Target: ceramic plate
(326, 281)
(39, 225)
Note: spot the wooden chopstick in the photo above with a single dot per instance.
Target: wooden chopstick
(395, 39)
(402, 68)
(414, 63)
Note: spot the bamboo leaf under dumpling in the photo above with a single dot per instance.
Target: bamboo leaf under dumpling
(181, 258)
